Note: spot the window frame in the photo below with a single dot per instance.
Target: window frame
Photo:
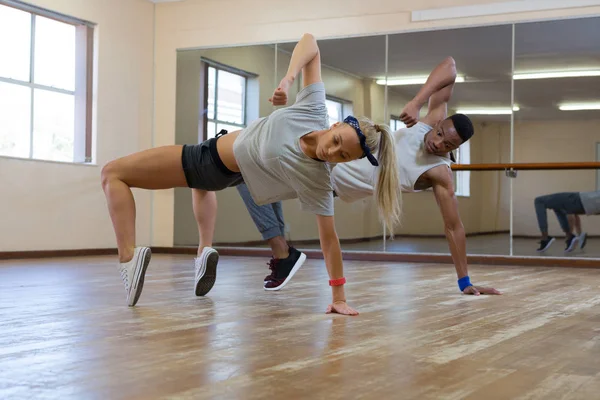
(462, 179)
(83, 92)
(207, 63)
(598, 170)
(396, 119)
(346, 105)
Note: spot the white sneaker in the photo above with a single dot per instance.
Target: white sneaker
(132, 273)
(206, 271)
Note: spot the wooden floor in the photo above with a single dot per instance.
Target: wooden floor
(66, 333)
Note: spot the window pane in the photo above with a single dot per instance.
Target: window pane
(228, 128)
(53, 125)
(334, 109)
(15, 112)
(347, 109)
(230, 97)
(15, 41)
(54, 53)
(463, 178)
(465, 153)
(211, 93)
(210, 130)
(396, 124)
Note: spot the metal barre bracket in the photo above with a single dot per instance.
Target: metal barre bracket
(511, 173)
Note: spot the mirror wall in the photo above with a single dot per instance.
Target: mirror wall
(220, 88)
(558, 121)
(350, 69)
(515, 120)
(482, 83)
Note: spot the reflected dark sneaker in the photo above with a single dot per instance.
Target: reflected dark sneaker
(544, 244)
(272, 266)
(283, 269)
(582, 240)
(571, 244)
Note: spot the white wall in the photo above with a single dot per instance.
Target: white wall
(54, 206)
(61, 206)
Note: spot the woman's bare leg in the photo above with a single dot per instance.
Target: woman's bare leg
(205, 211)
(158, 168)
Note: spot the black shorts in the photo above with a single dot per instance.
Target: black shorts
(204, 169)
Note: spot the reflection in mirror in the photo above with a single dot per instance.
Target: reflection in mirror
(480, 67)
(220, 88)
(349, 71)
(557, 76)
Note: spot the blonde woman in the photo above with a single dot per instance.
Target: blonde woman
(285, 155)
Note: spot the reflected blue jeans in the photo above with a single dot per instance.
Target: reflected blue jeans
(562, 204)
(268, 218)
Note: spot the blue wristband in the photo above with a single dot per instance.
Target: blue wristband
(464, 283)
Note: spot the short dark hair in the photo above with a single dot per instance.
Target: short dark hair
(463, 126)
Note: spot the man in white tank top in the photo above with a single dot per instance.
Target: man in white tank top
(423, 150)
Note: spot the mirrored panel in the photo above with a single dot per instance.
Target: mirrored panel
(557, 82)
(221, 88)
(482, 91)
(350, 68)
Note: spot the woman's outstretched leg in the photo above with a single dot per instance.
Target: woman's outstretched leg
(158, 168)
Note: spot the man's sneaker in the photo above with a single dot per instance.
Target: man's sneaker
(206, 271)
(284, 269)
(571, 244)
(544, 244)
(132, 273)
(582, 240)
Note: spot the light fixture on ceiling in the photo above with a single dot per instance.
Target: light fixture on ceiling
(411, 80)
(556, 74)
(487, 110)
(419, 80)
(579, 106)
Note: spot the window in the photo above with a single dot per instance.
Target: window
(226, 106)
(45, 84)
(396, 124)
(598, 171)
(463, 178)
(337, 109)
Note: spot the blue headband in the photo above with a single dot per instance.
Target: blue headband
(353, 122)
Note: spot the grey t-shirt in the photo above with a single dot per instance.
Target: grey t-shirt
(591, 202)
(271, 160)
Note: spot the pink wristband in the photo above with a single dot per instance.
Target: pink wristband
(337, 282)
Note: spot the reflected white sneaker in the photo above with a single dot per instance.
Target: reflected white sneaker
(132, 273)
(206, 271)
(582, 240)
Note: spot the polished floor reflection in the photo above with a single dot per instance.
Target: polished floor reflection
(497, 244)
(65, 332)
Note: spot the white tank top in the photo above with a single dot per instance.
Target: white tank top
(356, 179)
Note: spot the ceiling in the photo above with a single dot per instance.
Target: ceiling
(483, 55)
